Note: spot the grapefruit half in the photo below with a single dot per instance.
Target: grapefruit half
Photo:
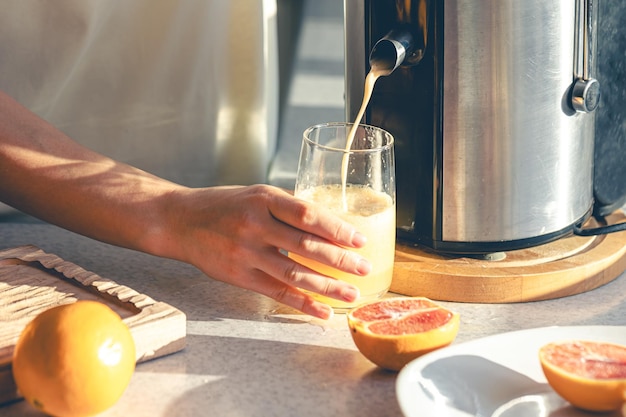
(590, 375)
(394, 331)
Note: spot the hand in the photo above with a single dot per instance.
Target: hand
(235, 235)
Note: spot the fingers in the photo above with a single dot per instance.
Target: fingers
(297, 275)
(287, 293)
(281, 278)
(303, 302)
(318, 249)
(315, 234)
(315, 220)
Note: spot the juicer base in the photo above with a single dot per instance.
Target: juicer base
(564, 267)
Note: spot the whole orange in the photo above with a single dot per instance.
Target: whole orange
(591, 375)
(74, 359)
(394, 331)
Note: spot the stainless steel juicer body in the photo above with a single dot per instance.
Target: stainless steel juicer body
(492, 114)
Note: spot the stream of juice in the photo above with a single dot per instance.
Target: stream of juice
(370, 80)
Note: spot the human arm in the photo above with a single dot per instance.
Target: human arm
(233, 234)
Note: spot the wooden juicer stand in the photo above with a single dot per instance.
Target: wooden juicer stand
(568, 266)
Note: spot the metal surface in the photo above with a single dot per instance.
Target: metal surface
(388, 53)
(401, 45)
(517, 162)
(586, 90)
(491, 153)
(356, 53)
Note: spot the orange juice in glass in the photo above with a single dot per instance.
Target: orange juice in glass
(351, 172)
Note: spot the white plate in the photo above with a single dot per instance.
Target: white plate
(494, 376)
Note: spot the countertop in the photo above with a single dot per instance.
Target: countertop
(246, 355)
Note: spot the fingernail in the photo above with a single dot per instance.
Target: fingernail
(350, 294)
(363, 267)
(358, 239)
(325, 312)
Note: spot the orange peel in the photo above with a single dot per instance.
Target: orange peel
(74, 359)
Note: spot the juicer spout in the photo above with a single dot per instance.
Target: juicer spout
(396, 48)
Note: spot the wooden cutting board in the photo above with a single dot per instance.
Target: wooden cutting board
(568, 266)
(32, 281)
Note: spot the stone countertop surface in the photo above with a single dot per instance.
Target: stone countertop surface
(246, 355)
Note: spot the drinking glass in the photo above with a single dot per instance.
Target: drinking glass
(351, 171)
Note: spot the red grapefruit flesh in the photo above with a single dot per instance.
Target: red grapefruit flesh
(394, 331)
(590, 375)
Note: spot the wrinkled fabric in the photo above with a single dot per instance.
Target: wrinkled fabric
(185, 89)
